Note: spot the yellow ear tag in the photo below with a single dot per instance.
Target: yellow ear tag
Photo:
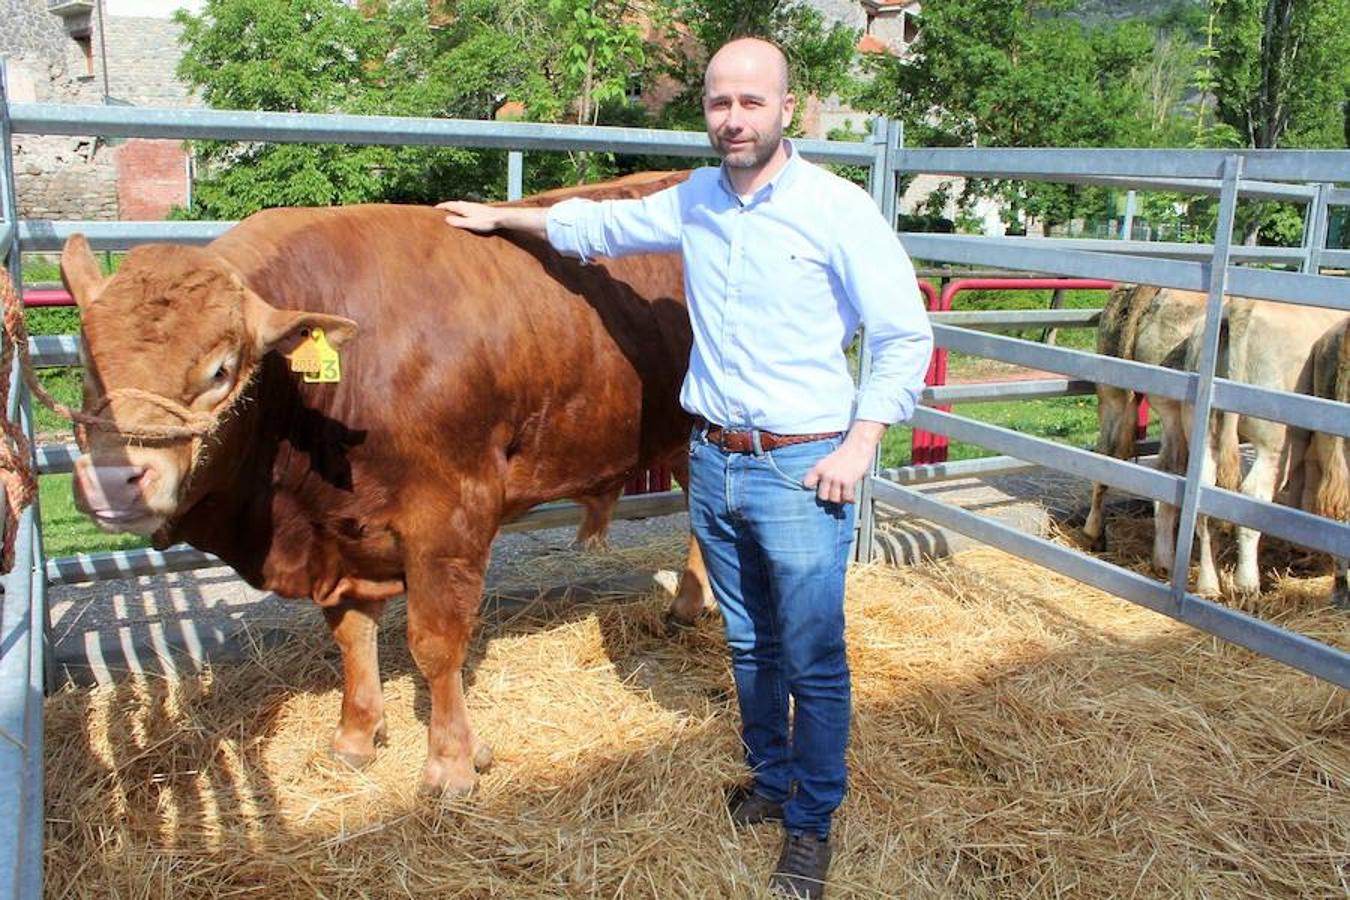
(317, 359)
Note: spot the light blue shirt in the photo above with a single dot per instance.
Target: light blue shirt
(777, 284)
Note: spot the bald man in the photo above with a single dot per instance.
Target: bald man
(782, 261)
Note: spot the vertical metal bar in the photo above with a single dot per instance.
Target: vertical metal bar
(1315, 230)
(877, 178)
(1204, 384)
(515, 174)
(1127, 226)
(41, 611)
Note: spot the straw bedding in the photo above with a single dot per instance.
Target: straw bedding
(1016, 735)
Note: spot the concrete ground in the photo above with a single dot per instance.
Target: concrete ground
(171, 623)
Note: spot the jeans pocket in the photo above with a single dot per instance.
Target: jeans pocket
(786, 470)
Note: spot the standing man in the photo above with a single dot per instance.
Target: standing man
(782, 259)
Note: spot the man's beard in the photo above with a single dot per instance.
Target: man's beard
(757, 154)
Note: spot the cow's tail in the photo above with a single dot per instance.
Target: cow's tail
(1230, 362)
(1333, 493)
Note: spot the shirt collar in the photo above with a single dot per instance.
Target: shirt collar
(780, 180)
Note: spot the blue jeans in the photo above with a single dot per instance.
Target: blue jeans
(776, 558)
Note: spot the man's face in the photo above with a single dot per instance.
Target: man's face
(746, 109)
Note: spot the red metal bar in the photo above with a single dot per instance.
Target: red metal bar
(927, 447)
(33, 297)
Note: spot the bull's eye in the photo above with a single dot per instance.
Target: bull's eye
(222, 374)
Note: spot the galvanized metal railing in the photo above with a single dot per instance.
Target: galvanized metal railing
(1208, 268)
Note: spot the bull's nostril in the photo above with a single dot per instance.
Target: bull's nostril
(141, 477)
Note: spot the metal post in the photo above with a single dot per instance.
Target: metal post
(878, 177)
(515, 175)
(1127, 224)
(1204, 383)
(1315, 230)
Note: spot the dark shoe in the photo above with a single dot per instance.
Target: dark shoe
(748, 808)
(801, 866)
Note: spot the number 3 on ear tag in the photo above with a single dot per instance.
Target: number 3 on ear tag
(317, 359)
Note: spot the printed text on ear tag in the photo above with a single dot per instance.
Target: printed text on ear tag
(316, 359)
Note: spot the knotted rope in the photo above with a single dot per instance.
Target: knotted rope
(16, 457)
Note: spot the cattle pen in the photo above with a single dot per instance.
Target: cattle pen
(1303, 177)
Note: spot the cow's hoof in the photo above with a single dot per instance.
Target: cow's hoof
(1340, 598)
(677, 625)
(1097, 544)
(482, 757)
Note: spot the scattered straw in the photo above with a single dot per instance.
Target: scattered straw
(1016, 735)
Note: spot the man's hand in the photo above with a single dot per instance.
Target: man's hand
(482, 218)
(836, 476)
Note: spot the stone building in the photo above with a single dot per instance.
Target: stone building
(114, 52)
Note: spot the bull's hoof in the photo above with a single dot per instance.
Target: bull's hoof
(354, 761)
(1340, 598)
(447, 787)
(482, 757)
(1097, 544)
(677, 625)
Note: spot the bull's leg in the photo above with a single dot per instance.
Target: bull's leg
(599, 511)
(1340, 583)
(1117, 411)
(694, 594)
(1207, 581)
(443, 597)
(355, 626)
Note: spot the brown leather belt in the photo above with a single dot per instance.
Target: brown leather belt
(741, 440)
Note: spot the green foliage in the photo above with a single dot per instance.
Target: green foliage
(819, 55)
(1282, 72)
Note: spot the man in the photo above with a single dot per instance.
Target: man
(782, 259)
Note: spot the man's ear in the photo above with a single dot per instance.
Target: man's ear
(789, 106)
(80, 272)
(270, 326)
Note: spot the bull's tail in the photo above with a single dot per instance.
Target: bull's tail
(1333, 493)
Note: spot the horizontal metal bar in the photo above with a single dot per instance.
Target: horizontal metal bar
(85, 567)
(1294, 525)
(1312, 413)
(1286, 287)
(1162, 249)
(1335, 259)
(285, 127)
(1018, 318)
(50, 351)
(1253, 190)
(983, 467)
(1039, 162)
(1339, 197)
(1075, 363)
(21, 772)
(1125, 476)
(56, 459)
(1299, 651)
(1327, 291)
(42, 235)
(984, 391)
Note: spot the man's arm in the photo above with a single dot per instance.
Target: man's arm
(482, 218)
(583, 228)
(879, 279)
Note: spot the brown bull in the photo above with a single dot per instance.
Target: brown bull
(490, 375)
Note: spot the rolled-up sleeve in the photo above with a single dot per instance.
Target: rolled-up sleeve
(879, 279)
(612, 228)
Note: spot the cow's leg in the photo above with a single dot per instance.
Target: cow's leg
(694, 594)
(355, 627)
(1340, 583)
(1117, 412)
(598, 512)
(1172, 449)
(1259, 484)
(444, 590)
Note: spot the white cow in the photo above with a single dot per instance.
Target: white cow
(1268, 345)
(1148, 325)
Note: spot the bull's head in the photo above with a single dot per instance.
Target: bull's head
(170, 342)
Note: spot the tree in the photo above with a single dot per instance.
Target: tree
(1017, 73)
(1283, 71)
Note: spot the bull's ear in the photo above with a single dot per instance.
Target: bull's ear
(271, 326)
(79, 270)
